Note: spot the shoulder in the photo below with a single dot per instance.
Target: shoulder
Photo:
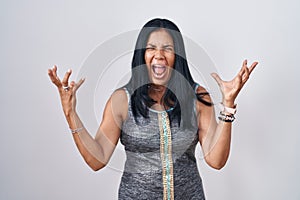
(119, 103)
(120, 95)
(203, 94)
(200, 89)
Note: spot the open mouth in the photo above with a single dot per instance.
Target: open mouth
(159, 70)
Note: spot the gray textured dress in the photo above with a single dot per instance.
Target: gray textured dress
(160, 159)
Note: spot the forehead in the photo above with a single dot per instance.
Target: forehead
(160, 37)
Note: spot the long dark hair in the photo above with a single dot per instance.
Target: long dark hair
(180, 93)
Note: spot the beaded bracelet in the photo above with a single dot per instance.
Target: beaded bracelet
(76, 130)
(227, 109)
(226, 118)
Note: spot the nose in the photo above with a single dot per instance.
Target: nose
(159, 54)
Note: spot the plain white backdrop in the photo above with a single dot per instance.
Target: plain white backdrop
(39, 159)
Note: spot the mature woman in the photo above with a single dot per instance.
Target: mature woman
(159, 117)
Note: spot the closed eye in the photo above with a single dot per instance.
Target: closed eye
(168, 48)
(150, 48)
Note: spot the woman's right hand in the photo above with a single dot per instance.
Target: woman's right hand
(67, 91)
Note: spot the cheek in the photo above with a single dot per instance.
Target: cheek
(147, 61)
(147, 58)
(171, 60)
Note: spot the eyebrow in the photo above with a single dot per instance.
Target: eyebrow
(164, 46)
(168, 45)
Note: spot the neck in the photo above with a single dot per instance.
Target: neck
(156, 92)
(157, 88)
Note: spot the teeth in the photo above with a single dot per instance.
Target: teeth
(159, 69)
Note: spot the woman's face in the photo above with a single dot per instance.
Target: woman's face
(160, 57)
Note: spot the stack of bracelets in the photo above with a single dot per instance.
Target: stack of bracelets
(227, 114)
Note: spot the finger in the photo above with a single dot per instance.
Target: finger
(251, 68)
(217, 78)
(53, 76)
(244, 66)
(54, 71)
(66, 78)
(245, 76)
(246, 71)
(78, 84)
(50, 73)
(72, 86)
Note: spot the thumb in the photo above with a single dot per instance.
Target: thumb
(74, 86)
(79, 83)
(217, 78)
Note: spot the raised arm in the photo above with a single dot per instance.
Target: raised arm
(95, 151)
(215, 138)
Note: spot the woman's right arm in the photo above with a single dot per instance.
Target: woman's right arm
(95, 151)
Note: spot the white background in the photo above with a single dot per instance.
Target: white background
(39, 159)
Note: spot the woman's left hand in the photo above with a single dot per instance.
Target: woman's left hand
(230, 89)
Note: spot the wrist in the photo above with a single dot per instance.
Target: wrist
(228, 103)
(227, 109)
(76, 130)
(72, 120)
(226, 117)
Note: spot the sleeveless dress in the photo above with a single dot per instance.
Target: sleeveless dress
(160, 159)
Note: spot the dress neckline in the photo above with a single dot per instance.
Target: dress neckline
(160, 111)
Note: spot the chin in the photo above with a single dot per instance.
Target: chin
(159, 81)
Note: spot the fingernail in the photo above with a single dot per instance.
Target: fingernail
(69, 70)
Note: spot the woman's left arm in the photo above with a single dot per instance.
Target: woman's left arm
(215, 137)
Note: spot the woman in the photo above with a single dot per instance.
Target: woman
(159, 117)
